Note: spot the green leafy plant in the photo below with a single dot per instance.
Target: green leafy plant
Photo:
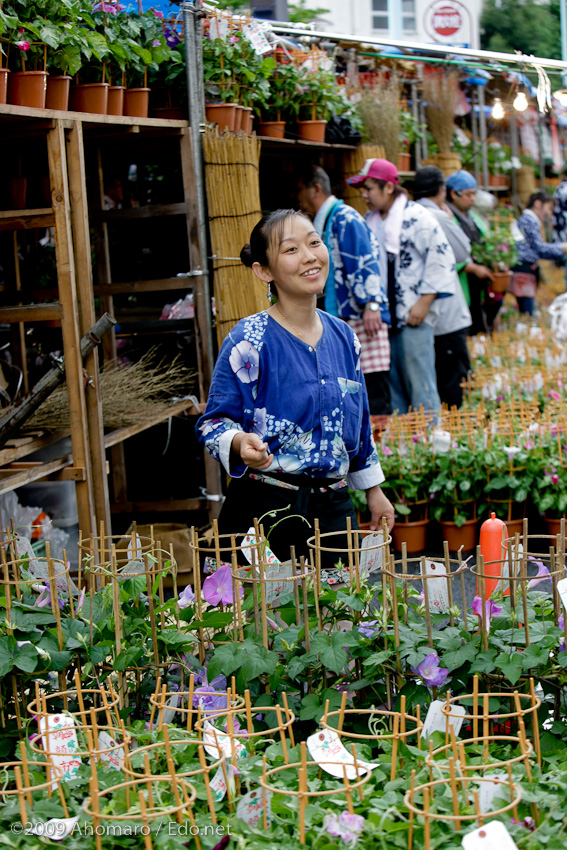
(497, 249)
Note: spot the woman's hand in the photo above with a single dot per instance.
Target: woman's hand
(251, 449)
(379, 506)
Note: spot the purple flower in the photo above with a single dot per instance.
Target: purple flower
(44, 598)
(186, 598)
(491, 610)
(171, 37)
(345, 826)
(542, 573)
(387, 451)
(245, 362)
(430, 672)
(156, 42)
(218, 587)
(561, 624)
(368, 628)
(81, 600)
(211, 697)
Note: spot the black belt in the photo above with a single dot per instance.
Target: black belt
(303, 481)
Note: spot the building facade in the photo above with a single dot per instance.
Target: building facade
(455, 22)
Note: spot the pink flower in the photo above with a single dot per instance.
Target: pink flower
(233, 39)
(156, 42)
(156, 12)
(81, 600)
(218, 587)
(345, 826)
(554, 395)
(555, 479)
(491, 610)
(23, 45)
(387, 451)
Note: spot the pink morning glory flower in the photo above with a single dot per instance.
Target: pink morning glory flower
(387, 451)
(492, 609)
(186, 598)
(554, 395)
(345, 826)
(81, 600)
(217, 587)
(430, 672)
(542, 573)
(23, 45)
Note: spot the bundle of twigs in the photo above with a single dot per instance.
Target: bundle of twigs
(379, 108)
(440, 93)
(129, 394)
(233, 199)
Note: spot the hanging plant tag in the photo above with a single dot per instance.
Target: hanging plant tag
(169, 713)
(219, 26)
(489, 791)
(279, 588)
(436, 721)
(437, 590)
(212, 737)
(113, 757)
(250, 554)
(254, 32)
(491, 836)
(562, 590)
(371, 559)
(250, 808)
(59, 737)
(326, 746)
(210, 565)
(440, 441)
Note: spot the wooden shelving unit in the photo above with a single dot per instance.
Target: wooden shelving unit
(74, 141)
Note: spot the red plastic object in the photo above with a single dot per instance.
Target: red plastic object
(491, 550)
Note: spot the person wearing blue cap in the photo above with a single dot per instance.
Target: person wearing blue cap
(461, 195)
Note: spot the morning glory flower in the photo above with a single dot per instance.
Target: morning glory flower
(81, 600)
(511, 451)
(186, 598)
(345, 826)
(211, 697)
(430, 672)
(217, 587)
(245, 361)
(542, 573)
(44, 598)
(23, 45)
(387, 451)
(368, 628)
(492, 610)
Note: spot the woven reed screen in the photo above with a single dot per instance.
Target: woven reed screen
(233, 198)
(352, 163)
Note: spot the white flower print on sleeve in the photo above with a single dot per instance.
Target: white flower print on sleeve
(244, 361)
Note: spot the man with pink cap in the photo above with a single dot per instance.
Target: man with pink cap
(419, 265)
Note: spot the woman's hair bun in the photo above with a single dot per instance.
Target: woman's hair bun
(246, 255)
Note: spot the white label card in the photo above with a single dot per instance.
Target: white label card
(218, 785)
(113, 757)
(250, 554)
(250, 808)
(169, 713)
(562, 590)
(491, 836)
(489, 791)
(436, 721)
(255, 35)
(59, 737)
(371, 559)
(212, 737)
(437, 590)
(276, 589)
(326, 746)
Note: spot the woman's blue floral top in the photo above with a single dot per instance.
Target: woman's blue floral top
(308, 403)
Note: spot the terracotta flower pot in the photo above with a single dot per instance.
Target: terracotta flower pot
(514, 526)
(4, 84)
(176, 112)
(28, 88)
(90, 97)
(115, 104)
(238, 115)
(247, 117)
(500, 281)
(404, 161)
(221, 114)
(137, 102)
(497, 180)
(553, 524)
(57, 95)
(465, 536)
(311, 131)
(271, 129)
(413, 534)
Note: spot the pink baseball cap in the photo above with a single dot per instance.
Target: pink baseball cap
(379, 169)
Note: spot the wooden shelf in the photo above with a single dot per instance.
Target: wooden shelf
(31, 313)
(26, 219)
(132, 287)
(147, 211)
(121, 434)
(29, 115)
(270, 142)
(29, 442)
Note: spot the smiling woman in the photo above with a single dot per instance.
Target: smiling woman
(287, 413)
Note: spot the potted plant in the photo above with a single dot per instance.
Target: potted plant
(411, 131)
(548, 466)
(220, 89)
(169, 80)
(497, 251)
(499, 164)
(408, 479)
(145, 41)
(316, 95)
(274, 104)
(456, 493)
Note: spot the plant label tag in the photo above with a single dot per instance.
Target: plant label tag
(219, 26)
(326, 748)
(218, 785)
(489, 791)
(250, 808)
(436, 721)
(255, 34)
(491, 836)
(372, 557)
(251, 554)
(440, 441)
(562, 590)
(55, 829)
(59, 737)
(210, 565)
(437, 590)
(213, 740)
(110, 757)
(168, 714)
(278, 586)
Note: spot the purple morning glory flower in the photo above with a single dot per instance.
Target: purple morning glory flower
(345, 826)
(211, 696)
(492, 610)
(44, 598)
(430, 672)
(542, 573)
(368, 628)
(171, 37)
(186, 597)
(218, 587)
(81, 600)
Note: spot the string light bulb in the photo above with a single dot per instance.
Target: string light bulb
(520, 102)
(561, 96)
(497, 109)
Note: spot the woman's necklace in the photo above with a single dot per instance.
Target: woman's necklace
(297, 331)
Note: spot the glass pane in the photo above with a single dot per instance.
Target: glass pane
(380, 22)
(408, 6)
(380, 6)
(409, 24)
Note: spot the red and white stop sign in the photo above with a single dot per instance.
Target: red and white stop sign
(446, 20)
